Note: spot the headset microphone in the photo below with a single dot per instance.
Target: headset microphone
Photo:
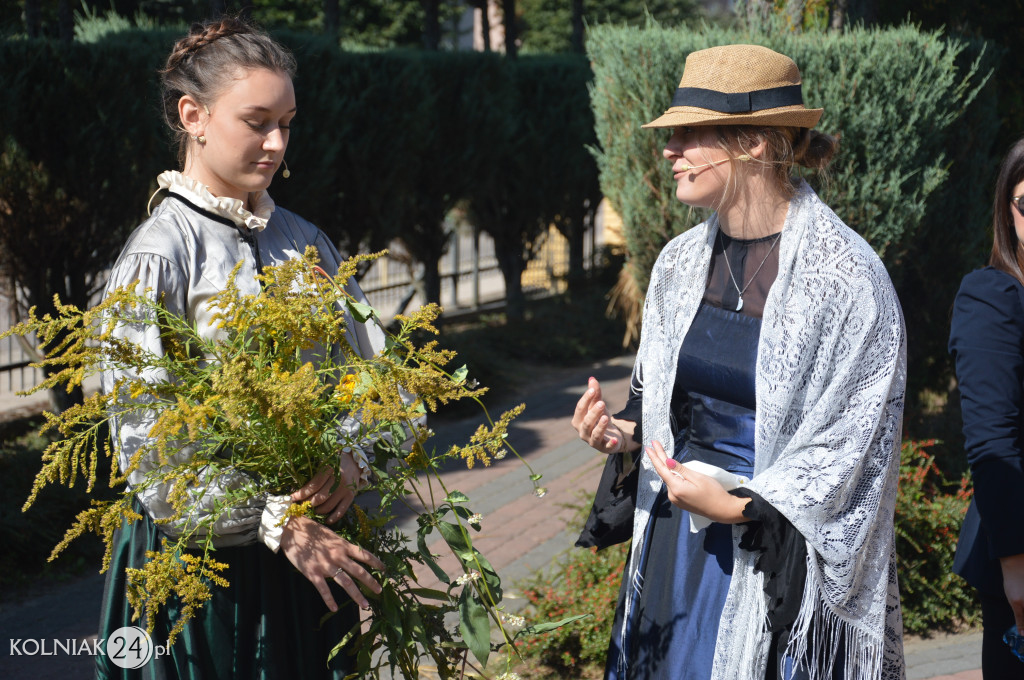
(687, 168)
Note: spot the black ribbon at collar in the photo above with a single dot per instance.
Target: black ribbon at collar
(738, 102)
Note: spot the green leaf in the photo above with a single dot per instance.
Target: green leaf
(535, 478)
(475, 625)
(456, 497)
(490, 576)
(551, 625)
(470, 558)
(415, 630)
(362, 312)
(349, 636)
(363, 662)
(392, 610)
(428, 559)
(429, 593)
(460, 374)
(453, 535)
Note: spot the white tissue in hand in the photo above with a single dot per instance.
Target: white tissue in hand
(728, 480)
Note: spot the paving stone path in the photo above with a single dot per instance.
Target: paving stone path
(521, 534)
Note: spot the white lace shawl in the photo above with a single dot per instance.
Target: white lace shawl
(830, 380)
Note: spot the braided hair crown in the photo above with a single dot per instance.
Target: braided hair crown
(203, 63)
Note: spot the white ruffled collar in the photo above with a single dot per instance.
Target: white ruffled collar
(222, 206)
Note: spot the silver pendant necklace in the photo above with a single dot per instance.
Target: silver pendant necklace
(741, 291)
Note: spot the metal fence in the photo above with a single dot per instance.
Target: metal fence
(470, 277)
(15, 372)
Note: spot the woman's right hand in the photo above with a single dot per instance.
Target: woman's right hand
(593, 422)
(320, 554)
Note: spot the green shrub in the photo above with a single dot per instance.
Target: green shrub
(543, 176)
(587, 581)
(929, 512)
(28, 537)
(913, 173)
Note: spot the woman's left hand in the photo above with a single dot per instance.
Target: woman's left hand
(695, 492)
(1013, 586)
(328, 498)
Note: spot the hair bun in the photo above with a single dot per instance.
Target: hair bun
(814, 149)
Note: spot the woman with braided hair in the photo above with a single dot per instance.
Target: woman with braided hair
(772, 362)
(228, 98)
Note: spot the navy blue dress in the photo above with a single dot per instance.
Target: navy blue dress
(686, 575)
(672, 631)
(674, 627)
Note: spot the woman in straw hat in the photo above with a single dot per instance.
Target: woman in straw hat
(772, 360)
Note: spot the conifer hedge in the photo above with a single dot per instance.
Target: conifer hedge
(914, 173)
(385, 143)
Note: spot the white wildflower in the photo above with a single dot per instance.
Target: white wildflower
(475, 519)
(468, 578)
(513, 620)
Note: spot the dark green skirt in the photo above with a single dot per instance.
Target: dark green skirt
(265, 625)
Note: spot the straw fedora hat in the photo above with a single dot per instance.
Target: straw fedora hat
(738, 85)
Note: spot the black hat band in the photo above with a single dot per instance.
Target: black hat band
(738, 102)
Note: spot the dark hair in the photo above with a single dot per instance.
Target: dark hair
(1007, 251)
(212, 54)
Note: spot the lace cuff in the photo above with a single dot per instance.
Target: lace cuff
(271, 526)
(782, 558)
(359, 456)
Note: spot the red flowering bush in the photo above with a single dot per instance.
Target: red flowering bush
(929, 512)
(585, 582)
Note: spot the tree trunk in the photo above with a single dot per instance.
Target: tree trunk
(332, 19)
(838, 12)
(509, 11)
(70, 283)
(757, 12)
(577, 231)
(485, 23)
(33, 18)
(432, 281)
(431, 24)
(65, 22)
(511, 264)
(577, 26)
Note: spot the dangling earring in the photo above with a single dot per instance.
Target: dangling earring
(286, 173)
(201, 139)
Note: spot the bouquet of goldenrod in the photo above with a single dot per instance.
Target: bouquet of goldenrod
(264, 397)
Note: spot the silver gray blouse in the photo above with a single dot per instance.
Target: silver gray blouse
(186, 251)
